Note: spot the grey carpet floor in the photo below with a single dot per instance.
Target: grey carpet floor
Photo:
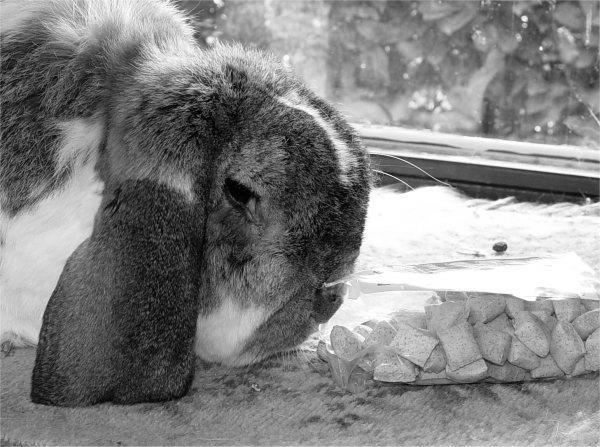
(293, 400)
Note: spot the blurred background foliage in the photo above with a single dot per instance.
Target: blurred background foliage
(521, 70)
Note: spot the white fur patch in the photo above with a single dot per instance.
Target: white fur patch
(72, 21)
(345, 157)
(220, 337)
(79, 21)
(179, 182)
(81, 140)
(14, 12)
(36, 246)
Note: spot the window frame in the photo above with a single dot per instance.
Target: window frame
(485, 167)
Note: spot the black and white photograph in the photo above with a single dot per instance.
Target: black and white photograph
(299, 222)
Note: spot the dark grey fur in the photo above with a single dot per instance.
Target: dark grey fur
(103, 336)
(210, 115)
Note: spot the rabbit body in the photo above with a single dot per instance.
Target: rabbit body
(102, 96)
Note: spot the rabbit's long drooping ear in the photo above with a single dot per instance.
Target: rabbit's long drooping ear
(120, 324)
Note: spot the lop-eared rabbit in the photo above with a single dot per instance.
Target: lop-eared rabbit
(201, 196)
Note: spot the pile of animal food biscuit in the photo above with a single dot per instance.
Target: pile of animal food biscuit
(466, 337)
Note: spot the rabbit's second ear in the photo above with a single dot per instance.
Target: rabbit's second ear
(121, 323)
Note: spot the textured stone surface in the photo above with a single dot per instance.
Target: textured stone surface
(493, 345)
(452, 295)
(546, 368)
(540, 305)
(445, 315)
(484, 307)
(501, 323)
(414, 319)
(579, 368)
(566, 346)
(532, 332)
(513, 305)
(592, 355)
(383, 333)
(413, 344)
(521, 356)
(547, 319)
(591, 304)
(459, 346)
(473, 372)
(346, 344)
(390, 367)
(567, 309)
(587, 323)
(363, 330)
(506, 373)
(436, 361)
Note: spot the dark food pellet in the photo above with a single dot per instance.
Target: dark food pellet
(500, 247)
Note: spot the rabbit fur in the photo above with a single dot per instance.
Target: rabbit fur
(201, 196)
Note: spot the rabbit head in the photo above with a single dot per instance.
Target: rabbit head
(282, 181)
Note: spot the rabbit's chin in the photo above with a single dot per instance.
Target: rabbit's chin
(222, 335)
(255, 352)
(234, 334)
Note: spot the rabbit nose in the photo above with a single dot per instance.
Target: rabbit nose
(327, 301)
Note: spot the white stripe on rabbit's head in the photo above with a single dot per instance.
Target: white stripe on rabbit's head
(344, 154)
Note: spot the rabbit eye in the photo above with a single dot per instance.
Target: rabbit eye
(238, 193)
